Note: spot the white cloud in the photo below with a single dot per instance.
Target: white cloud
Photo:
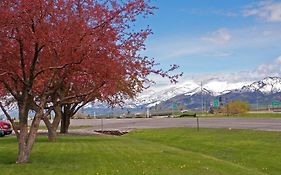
(226, 13)
(220, 36)
(218, 54)
(211, 44)
(267, 33)
(177, 52)
(222, 43)
(278, 60)
(216, 82)
(210, 11)
(271, 69)
(267, 10)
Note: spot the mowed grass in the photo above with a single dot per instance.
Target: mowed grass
(152, 151)
(261, 115)
(246, 115)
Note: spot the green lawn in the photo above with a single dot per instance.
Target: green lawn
(246, 115)
(153, 151)
(261, 115)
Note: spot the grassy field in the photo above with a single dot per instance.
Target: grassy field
(261, 115)
(154, 151)
(246, 115)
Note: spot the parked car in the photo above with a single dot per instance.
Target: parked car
(184, 110)
(5, 128)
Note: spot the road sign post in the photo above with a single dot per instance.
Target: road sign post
(197, 120)
(174, 108)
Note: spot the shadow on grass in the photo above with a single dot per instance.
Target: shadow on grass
(8, 158)
(77, 139)
(8, 150)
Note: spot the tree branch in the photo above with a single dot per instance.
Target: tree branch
(22, 63)
(82, 95)
(10, 90)
(37, 50)
(57, 68)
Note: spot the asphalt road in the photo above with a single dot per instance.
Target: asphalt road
(267, 124)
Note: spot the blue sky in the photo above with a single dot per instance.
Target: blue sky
(216, 36)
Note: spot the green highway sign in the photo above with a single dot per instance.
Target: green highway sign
(216, 103)
(275, 103)
(174, 106)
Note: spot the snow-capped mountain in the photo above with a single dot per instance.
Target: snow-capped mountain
(154, 96)
(189, 94)
(264, 91)
(267, 86)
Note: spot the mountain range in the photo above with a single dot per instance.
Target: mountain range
(190, 95)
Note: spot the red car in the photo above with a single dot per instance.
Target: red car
(5, 128)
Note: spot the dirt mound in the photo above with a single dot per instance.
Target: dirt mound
(112, 132)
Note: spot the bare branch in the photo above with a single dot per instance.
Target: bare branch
(22, 63)
(37, 50)
(57, 68)
(10, 89)
(82, 95)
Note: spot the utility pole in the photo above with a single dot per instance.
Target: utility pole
(172, 109)
(197, 119)
(227, 106)
(257, 102)
(202, 97)
(102, 124)
(147, 113)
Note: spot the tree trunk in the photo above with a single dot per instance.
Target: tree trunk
(26, 139)
(65, 122)
(52, 135)
(52, 127)
(23, 157)
(67, 113)
(52, 132)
